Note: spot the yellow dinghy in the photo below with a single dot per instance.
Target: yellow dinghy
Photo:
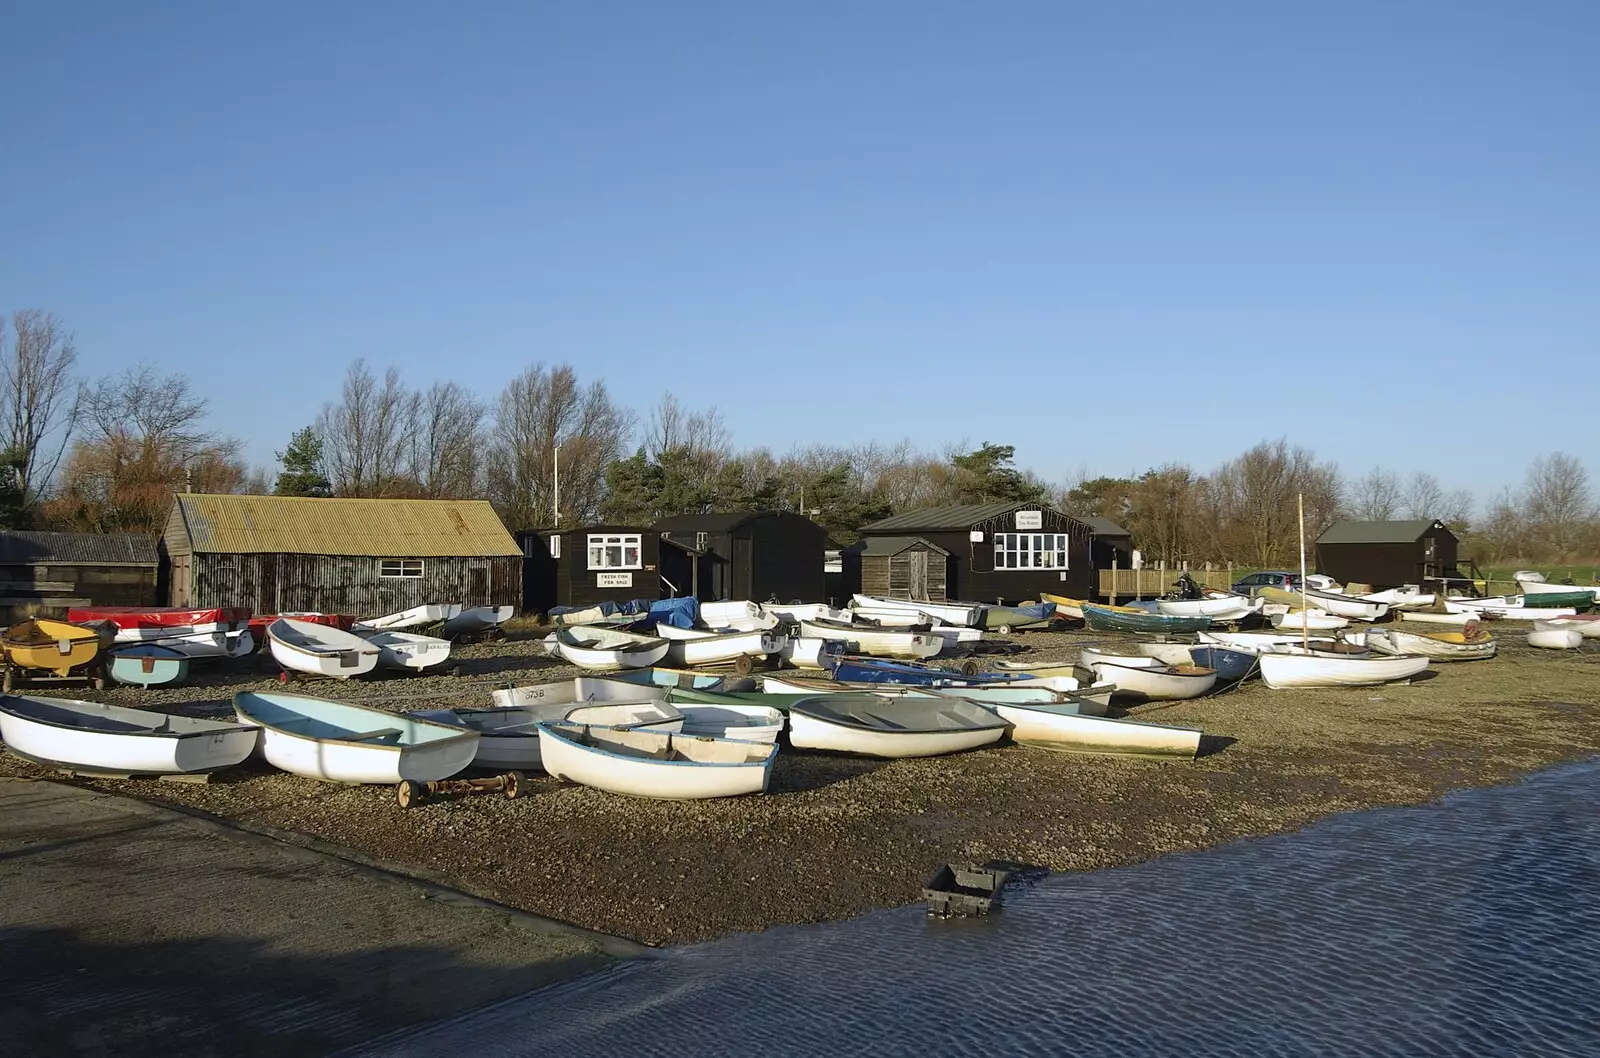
(57, 646)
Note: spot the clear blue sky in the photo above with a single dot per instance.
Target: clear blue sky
(841, 221)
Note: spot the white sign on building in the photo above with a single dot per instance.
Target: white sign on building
(613, 580)
(1030, 519)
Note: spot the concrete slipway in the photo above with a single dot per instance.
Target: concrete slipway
(131, 929)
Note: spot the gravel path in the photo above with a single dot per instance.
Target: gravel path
(836, 836)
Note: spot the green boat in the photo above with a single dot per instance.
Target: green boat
(1581, 601)
(1107, 619)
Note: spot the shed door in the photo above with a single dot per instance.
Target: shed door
(742, 586)
(917, 568)
(178, 590)
(478, 584)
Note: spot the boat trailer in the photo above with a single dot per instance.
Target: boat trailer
(409, 793)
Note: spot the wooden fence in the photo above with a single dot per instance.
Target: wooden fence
(1155, 581)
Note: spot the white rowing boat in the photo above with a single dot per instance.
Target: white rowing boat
(1157, 682)
(1063, 727)
(646, 763)
(739, 648)
(320, 650)
(342, 742)
(1224, 608)
(1555, 638)
(476, 619)
(1340, 605)
(747, 722)
(1440, 646)
(1312, 620)
(1586, 625)
(1543, 587)
(963, 614)
(1285, 670)
(605, 649)
(111, 739)
(794, 613)
(408, 651)
(880, 726)
(879, 642)
(1089, 657)
(580, 690)
(416, 617)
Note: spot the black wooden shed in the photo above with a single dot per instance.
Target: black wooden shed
(589, 564)
(757, 555)
(354, 556)
(47, 574)
(999, 552)
(1112, 544)
(1388, 554)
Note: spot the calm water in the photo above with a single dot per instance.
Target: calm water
(1467, 928)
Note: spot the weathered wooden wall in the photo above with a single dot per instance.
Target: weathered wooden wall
(276, 583)
(890, 576)
(51, 590)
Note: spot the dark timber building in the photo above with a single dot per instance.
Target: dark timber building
(363, 557)
(1006, 552)
(1388, 554)
(590, 564)
(46, 574)
(757, 555)
(1112, 544)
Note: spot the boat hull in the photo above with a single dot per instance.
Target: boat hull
(324, 747)
(476, 619)
(320, 650)
(1396, 643)
(637, 776)
(878, 642)
(148, 665)
(1282, 671)
(1158, 683)
(1074, 732)
(1104, 619)
(1555, 639)
(720, 649)
(191, 750)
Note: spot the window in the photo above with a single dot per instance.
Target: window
(400, 567)
(614, 551)
(1030, 551)
(555, 546)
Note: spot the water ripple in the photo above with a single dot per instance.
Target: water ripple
(1465, 928)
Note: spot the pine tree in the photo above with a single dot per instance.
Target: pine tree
(302, 467)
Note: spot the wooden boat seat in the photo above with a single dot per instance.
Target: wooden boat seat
(368, 736)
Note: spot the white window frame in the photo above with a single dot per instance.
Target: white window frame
(400, 568)
(1020, 552)
(602, 546)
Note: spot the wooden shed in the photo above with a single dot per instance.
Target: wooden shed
(1388, 554)
(1112, 544)
(362, 557)
(46, 574)
(899, 567)
(756, 555)
(589, 564)
(999, 552)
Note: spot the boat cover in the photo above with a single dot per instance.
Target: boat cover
(131, 617)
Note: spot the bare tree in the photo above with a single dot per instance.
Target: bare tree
(1456, 509)
(1250, 503)
(1558, 502)
(1424, 496)
(40, 399)
(445, 442)
(145, 439)
(366, 435)
(1375, 497)
(538, 411)
(703, 435)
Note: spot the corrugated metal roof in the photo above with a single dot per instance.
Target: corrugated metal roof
(380, 528)
(1377, 532)
(1106, 527)
(87, 549)
(703, 523)
(961, 516)
(881, 546)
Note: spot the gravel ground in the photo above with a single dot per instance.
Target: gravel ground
(836, 836)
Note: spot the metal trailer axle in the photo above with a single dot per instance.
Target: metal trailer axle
(409, 793)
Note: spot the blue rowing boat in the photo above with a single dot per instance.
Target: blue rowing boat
(1229, 665)
(852, 669)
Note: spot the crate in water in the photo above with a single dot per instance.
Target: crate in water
(963, 891)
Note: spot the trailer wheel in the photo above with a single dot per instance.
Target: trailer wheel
(10, 681)
(1004, 630)
(969, 668)
(407, 793)
(743, 665)
(98, 682)
(514, 784)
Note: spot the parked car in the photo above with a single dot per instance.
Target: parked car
(1274, 578)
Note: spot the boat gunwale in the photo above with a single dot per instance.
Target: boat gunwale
(222, 728)
(456, 733)
(764, 762)
(855, 725)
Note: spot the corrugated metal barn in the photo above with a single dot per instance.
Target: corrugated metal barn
(1388, 554)
(1000, 552)
(49, 573)
(364, 557)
